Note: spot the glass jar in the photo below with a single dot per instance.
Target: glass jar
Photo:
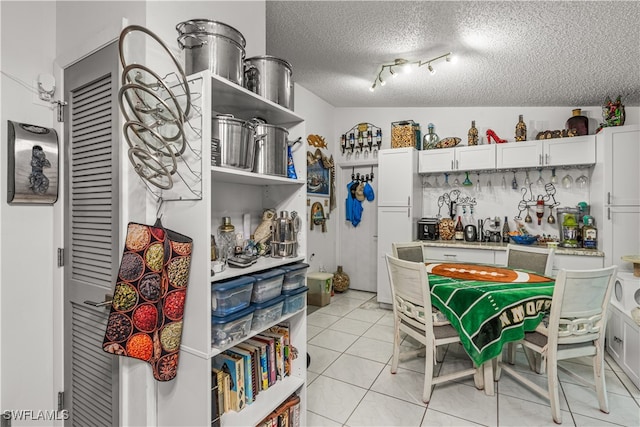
(472, 135)
(227, 237)
(578, 122)
(340, 280)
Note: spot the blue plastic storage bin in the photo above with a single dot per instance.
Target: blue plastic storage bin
(294, 300)
(230, 296)
(294, 275)
(232, 328)
(266, 313)
(268, 285)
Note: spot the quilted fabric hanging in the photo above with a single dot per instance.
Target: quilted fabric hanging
(146, 315)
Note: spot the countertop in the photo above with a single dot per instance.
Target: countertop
(503, 247)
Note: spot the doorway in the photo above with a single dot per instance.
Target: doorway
(357, 246)
(91, 222)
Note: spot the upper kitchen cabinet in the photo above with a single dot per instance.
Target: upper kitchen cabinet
(468, 158)
(621, 147)
(580, 150)
(399, 168)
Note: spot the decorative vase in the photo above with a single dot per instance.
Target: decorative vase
(340, 280)
(521, 130)
(472, 135)
(578, 122)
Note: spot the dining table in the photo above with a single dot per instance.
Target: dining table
(489, 306)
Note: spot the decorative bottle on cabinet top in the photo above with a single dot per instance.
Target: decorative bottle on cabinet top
(472, 136)
(578, 122)
(521, 130)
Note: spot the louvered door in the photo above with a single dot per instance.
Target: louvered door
(91, 236)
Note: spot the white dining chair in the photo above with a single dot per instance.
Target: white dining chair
(576, 328)
(538, 260)
(411, 307)
(416, 252)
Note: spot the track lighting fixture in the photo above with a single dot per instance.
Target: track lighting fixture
(405, 66)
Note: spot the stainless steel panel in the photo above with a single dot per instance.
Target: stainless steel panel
(32, 164)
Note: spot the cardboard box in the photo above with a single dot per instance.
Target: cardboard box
(320, 285)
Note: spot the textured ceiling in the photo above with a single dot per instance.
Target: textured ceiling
(510, 53)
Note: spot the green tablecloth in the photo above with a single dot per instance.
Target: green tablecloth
(489, 306)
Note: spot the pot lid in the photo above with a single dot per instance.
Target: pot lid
(269, 58)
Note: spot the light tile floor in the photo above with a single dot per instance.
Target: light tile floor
(350, 342)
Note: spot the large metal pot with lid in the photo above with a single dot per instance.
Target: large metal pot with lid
(232, 142)
(212, 45)
(271, 149)
(271, 78)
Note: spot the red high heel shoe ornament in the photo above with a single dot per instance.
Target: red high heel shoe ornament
(496, 138)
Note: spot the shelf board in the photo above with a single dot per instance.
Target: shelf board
(238, 176)
(263, 263)
(215, 350)
(265, 403)
(230, 98)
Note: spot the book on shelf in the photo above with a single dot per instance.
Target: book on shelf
(234, 366)
(215, 392)
(264, 361)
(271, 348)
(256, 378)
(223, 390)
(248, 371)
(287, 414)
(278, 339)
(289, 352)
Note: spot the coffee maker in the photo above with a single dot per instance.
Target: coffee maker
(428, 229)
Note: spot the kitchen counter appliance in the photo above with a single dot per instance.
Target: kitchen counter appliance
(428, 229)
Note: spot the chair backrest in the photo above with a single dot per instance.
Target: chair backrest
(409, 251)
(539, 260)
(579, 305)
(410, 292)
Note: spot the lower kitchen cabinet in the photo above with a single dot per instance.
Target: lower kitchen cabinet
(623, 342)
(479, 256)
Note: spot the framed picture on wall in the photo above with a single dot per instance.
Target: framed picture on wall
(318, 180)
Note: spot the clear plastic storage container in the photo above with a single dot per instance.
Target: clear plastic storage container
(294, 300)
(231, 295)
(268, 285)
(267, 312)
(230, 329)
(294, 275)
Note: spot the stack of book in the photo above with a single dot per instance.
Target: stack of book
(240, 373)
(285, 415)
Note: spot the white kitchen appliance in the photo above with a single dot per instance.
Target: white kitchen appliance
(399, 207)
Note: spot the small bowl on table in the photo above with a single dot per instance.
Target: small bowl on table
(527, 239)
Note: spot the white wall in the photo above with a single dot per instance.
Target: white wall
(318, 115)
(27, 264)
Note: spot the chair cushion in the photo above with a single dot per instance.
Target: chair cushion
(445, 331)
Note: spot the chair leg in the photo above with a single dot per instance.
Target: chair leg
(428, 375)
(396, 347)
(535, 360)
(478, 377)
(511, 353)
(497, 369)
(554, 392)
(599, 377)
(440, 354)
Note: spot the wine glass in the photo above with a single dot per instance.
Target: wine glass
(514, 182)
(478, 187)
(456, 182)
(446, 181)
(582, 181)
(437, 184)
(425, 182)
(567, 181)
(540, 181)
(527, 181)
(554, 177)
(504, 182)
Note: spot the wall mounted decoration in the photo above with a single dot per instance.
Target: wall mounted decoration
(316, 141)
(321, 176)
(32, 164)
(361, 137)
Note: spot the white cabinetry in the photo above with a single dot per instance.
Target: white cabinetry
(615, 194)
(623, 343)
(479, 256)
(478, 157)
(579, 150)
(186, 400)
(399, 207)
